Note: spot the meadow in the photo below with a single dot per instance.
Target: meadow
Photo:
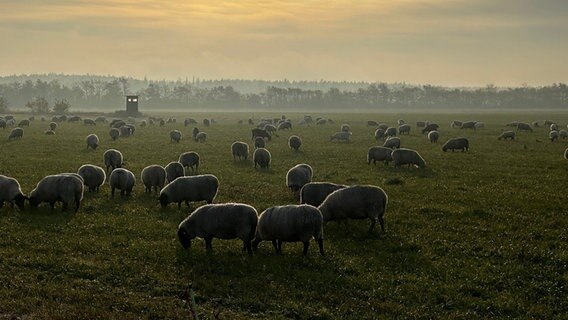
(476, 234)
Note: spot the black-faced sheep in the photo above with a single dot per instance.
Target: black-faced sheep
(294, 142)
(379, 154)
(16, 133)
(66, 188)
(393, 143)
(407, 156)
(190, 188)
(239, 150)
(175, 136)
(11, 192)
(92, 141)
(433, 136)
(456, 143)
(261, 157)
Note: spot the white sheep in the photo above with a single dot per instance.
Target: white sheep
(190, 188)
(123, 180)
(93, 176)
(239, 150)
(298, 176)
(314, 193)
(153, 176)
(190, 159)
(175, 135)
(66, 188)
(404, 156)
(261, 157)
(92, 141)
(341, 136)
(11, 192)
(113, 159)
(174, 170)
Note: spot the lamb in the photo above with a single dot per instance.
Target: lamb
(456, 143)
(239, 150)
(345, 128)
(433, 136)
(66, 188)
(175, 135)
(89, 122)
(123, 180)
(430, 127)
(294, 142)
(341, 136)
(379, 154)
(468, 125)
(24, 123)
(153, 176)
(393, 142)
(507, 135)
(553, 135)
(379, 134)
(314, 193)
(390, 132)
(405, 128)
(16, 133)
(221, 221)
(456, 124)
(174, 170)
(93, 176)
(201, 137)
(298, 176)
(191, 188)
(92, 141)
(291, 223)
(259, 142)
(407, 156)
(114, 133)
(356, 202)
(524, 127)
(189, 160)
(53, 126)
(10, 191)
(113, 159)
(261, 157)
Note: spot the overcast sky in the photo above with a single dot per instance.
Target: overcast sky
(446, 42)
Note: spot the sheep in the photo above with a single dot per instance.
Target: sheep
(563, 134)
(456, 124)
(298, 176)
(261, 157)
(123, 180)
(372, 123)
(206, 122)
(89, 122)
(117, 123)
(101, 119)
(10, 191)
(162, 122)
(190, 160)
(294, 142)
(400, 122)
(554, 127)
(92, 141)
(512, 124)
(114, 133)
(153, 176)
(143, 124)
(468, 125)
(2, 123)
(260, 133)
(393, 142)
(11, 122)
(433, 136)
(314, 193)
(390, 132)
(32, 118)
(341, 136)
(379, 134)
(566, 154)
(190, 188)
(113, 159)
(201, 137)
(175, 135)
(548, 122)
(404, 128)
(16, 133)
(239, 150)
(49, 132)
(125, 131)
(383, 126)
(524, 127)
(74, 119)
(479, 125)
(53, 126)
(259, 142)
(291, 223)
(356, 202)
(174, 170)
(24, 123)
(93, 176)
(60, 187)
(321, 122)
(269, 128)
(535, 124)
(420, 124)
(345, 127)
(404, 156)
(430, 127)
(221, 221)
(456, 143)
(507, 135)
(553, 135)
(286, 125)
(379, 154)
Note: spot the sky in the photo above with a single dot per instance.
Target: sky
(443, 42)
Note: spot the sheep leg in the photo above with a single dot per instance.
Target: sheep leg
(11, 204)
(373, 221)
(52, 204)
(306, 245)
(65, 204)
(382, 223)
(279, 246)
(112, 192)
(187, 203)
(208, 245)
(255, 243)
(179, 204)
(320, 244)
(275, 244)
(1, 204)
(248, 247)
(77, 204)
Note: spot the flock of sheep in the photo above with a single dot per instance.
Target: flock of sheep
(320, 202)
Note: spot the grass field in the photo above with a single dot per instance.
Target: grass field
(474, 235)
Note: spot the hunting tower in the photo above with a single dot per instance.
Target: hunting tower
(132, 104)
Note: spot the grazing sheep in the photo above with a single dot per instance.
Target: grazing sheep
(298, 176)
(143, 124)
(117, 123)
(32, 118)
(524, 127)
(341, 136)
(239, 150)
(372, 123)
(101, 119)
(468, 125)
(16, 133)
(206, 122)
(393, 143)
(11, 122)
(49, 132)
(407, 156)
(92, 141)
(379, 154)
(269, 128)
(379, 134)
(430, 127)
(314, 193)
(456, 143)
(175, 135)
(433, 136)
(553, 135)
(24, 123)
(74, 119)
(383, 126)
(60, 187)
(291, 223)
(153, 176)
(261, 157)
(345, 128)
(259, 142)
(404, 128)
(189, 160)
(11, 192)
(554, 127)
(400, 122)
(390, 132)
(548, 122)
(260, 133)
(194, 133)
(294, 142)
(456, 124)
(356, 202)
(563, 134)
(507, 135)
(123, 180)
(174, 170)
(201, 137)
(53, 126)
(125, 131)
(93, 176)
(221, 221)
(512, 124)
(114, 133)
(321, 122)
(2, 124)
(479, 125)
(113, 159)
(162, 122)
(191, 188)
(89, 122)
(286, 125)
(420, 124)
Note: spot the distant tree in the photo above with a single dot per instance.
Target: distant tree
(4, 105)
(38, 105)
(61, 106)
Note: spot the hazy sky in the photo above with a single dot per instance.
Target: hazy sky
(447, 42)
